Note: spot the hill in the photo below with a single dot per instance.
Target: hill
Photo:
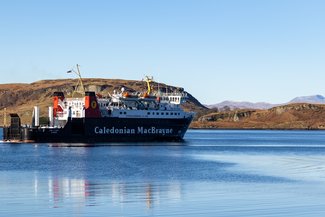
(20, 98)
(315, 99)
(292, 116)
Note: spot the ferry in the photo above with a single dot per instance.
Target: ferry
(87, 117)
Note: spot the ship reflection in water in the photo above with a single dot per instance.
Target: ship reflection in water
(214, 173)
(81, 192)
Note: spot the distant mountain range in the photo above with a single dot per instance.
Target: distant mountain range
(314, 99)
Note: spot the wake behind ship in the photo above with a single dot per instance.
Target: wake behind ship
(88, 117)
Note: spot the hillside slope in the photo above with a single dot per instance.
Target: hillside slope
(20, 98)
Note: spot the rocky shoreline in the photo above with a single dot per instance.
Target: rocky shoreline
(299, 116)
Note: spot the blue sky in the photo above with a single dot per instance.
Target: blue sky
(243, 50)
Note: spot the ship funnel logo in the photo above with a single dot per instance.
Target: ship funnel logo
(93, 104)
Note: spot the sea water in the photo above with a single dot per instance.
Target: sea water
(211, 173)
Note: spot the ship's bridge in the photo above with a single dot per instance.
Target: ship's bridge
(75, 106)
(174, 98)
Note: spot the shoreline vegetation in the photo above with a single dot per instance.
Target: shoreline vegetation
(20, 99)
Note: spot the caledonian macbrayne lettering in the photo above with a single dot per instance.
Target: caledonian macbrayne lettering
(125, 130)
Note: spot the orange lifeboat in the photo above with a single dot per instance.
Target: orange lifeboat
(145, 95)
(126, 94)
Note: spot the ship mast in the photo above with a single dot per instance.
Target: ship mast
(148, 80)
(79, 90)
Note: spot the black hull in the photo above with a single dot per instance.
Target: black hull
(99, 130)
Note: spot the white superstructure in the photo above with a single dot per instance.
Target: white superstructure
(127, 105)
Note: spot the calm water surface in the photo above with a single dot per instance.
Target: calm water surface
(213, 173)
